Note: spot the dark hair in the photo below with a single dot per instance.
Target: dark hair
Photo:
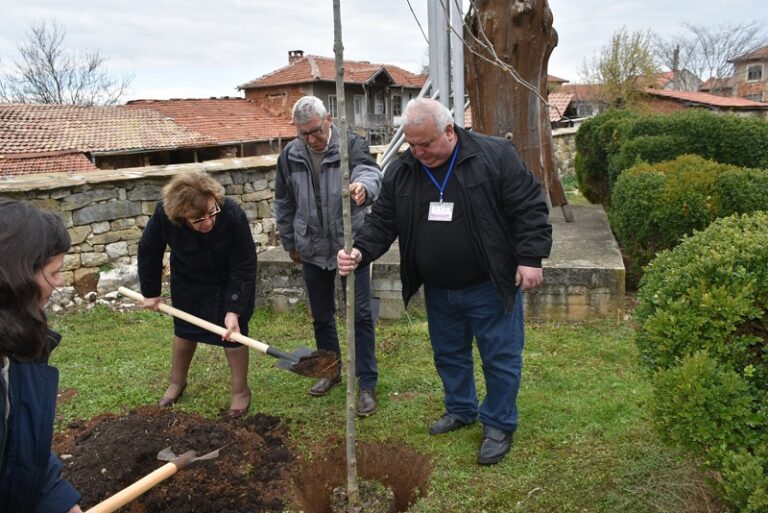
(29, 238)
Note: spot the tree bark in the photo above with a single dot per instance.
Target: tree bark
(504, 37)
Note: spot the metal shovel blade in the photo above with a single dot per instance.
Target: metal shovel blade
(313, 364)
(168, 455)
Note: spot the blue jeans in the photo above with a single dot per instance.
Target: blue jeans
(321, 287)
(455, 317)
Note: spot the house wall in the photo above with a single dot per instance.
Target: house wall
(278, 100)
(743, 88)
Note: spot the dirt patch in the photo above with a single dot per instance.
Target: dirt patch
(256, 471)
(400, 468)
(108, 453)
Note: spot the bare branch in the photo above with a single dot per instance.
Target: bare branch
(45, 71)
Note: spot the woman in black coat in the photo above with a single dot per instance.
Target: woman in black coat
(213, 275)
(32, 248)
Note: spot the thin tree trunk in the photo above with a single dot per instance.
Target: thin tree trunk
(338, 47)
(503, 37)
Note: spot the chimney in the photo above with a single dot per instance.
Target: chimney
(295, 55)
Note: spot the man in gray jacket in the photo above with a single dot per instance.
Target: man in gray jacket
(308, 208)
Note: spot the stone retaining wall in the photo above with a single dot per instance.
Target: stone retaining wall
(105, 212)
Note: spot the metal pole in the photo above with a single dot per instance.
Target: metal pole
(457, 61)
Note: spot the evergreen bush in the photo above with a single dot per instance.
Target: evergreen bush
(703, 335)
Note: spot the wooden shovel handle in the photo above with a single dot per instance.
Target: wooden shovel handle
(201, 323)
(126, 495)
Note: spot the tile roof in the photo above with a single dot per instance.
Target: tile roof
(558, 103)
(727, 102)
(72, 162)
(36, 128)
(311, 68)
(760, 54)
(221, 119)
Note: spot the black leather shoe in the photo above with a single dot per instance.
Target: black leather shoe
(324, 385)
(366, 403)
(495, 446)
(447, 423)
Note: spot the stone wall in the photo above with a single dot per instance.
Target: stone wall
(565, 150)
(106, 211)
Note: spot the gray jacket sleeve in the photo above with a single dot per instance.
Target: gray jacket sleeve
(364, 168)
(285, 204)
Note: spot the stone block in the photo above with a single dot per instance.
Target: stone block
(106, 212)
(116, 250)
(84, 199)
(78, 234)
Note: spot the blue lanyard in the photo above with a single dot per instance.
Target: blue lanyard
(441, 188)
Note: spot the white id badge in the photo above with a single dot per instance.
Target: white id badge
(440, 211)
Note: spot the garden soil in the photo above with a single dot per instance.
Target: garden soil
(110, 452)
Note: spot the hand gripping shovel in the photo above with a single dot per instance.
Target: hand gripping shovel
(175, 463)
(302, 361)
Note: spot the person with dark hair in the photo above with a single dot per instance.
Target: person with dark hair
(309, 213)
(473, 227)
(213, 276)
(32, 248)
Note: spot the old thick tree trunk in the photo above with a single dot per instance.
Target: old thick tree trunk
(504, 37)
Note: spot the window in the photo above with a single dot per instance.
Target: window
(397, 105)
(754, 97)
(378, 104)
(754, 73)
(333, 107)
(359, 112)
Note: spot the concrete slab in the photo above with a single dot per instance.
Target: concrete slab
(583, 278)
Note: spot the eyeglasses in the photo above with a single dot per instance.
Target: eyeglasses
(213, 213)
(314, 133)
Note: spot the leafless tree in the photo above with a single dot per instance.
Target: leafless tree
(623, 67)
(45, 71)
(705, 51)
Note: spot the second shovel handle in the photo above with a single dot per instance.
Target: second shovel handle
(197, 321)
(129, 493)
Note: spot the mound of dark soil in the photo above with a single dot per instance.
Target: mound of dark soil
(109, 452)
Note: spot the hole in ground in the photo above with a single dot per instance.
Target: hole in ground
(399, 467)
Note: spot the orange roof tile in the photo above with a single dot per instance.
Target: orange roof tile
(760, 54)
(558, 103)
(35, 128)
(313, 68)
(221, 119)
(72, 162)
(727, 102)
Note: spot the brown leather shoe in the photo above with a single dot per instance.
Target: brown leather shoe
(324, 385)
(366, 403)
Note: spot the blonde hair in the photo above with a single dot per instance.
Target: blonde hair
(186, 196)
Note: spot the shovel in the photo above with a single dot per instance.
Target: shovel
(302, 361)
(175, 463)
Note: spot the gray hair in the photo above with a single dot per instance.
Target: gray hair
(419, 110)
(308, 108)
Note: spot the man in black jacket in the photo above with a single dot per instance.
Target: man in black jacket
(472, 224)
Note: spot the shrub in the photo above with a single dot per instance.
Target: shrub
(653, 206)
(596, 139)
(742, 191)
(615, 141)
(703, 315)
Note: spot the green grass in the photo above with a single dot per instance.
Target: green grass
(585, 443)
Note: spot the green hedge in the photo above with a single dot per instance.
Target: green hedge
(654, 205)
(703, 335)
(617, 140)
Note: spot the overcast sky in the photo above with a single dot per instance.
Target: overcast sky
(202, 48)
